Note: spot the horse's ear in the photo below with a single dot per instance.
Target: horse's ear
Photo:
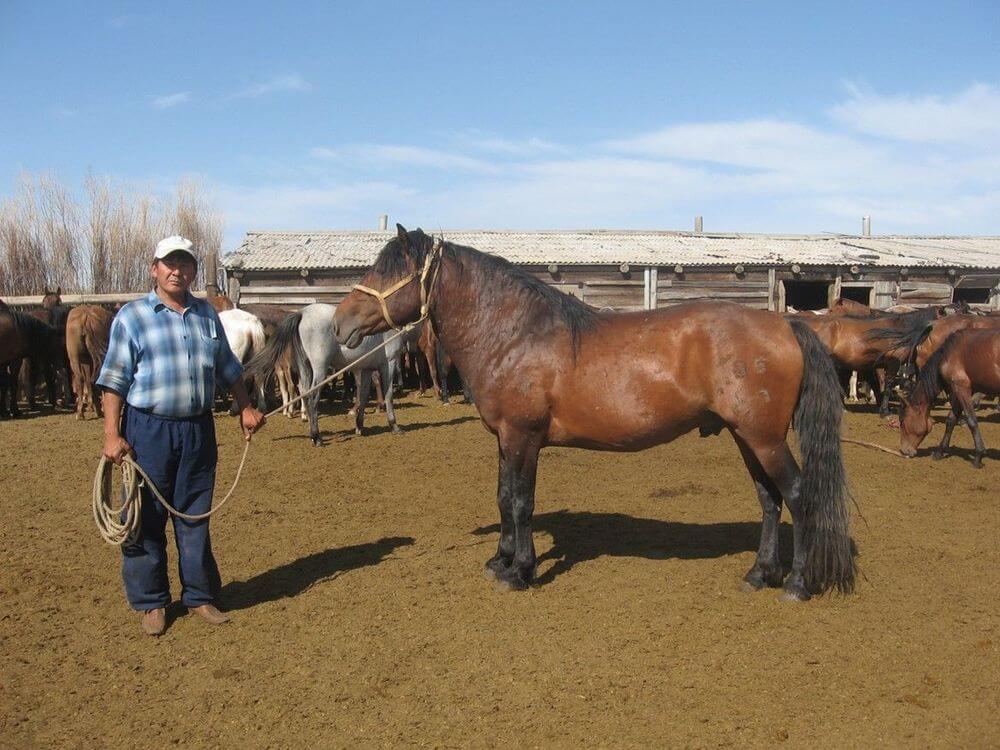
(402, 236)
(59, 290)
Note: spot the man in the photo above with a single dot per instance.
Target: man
(167, 351)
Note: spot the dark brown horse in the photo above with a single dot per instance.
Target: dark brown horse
(545, 369)
(22, 336)
(967, 362)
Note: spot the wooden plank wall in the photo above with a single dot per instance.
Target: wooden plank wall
(607, 286)
(751, 288)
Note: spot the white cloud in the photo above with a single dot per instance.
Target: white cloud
(275, 85)
(170, 100)
(478, 141)
(764, 174)
(388, 155)
(971, 117)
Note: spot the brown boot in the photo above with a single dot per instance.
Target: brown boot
(209, 613)
(153, 621)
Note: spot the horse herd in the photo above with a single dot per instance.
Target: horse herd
(64, 347)
(545, 369)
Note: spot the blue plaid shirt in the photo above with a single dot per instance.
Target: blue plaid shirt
(168, 362)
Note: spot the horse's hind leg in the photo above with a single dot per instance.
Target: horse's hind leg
(766, 570)
(312, 409)
(390, 410)
(364, 383)
(963, 394)
(779, 465)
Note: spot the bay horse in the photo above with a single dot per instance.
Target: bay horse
(864, 343)
(967, 362)
(88, 330)
(918, 343)
(547, 370)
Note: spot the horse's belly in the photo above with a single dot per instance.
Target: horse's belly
(609, 429)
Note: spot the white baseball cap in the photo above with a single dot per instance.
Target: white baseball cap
(171, 245)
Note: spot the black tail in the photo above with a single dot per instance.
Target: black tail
(261, 366)
(825, 495)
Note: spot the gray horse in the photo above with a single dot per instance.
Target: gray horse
(310, 334)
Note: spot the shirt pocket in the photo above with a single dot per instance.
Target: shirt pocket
(211, 340)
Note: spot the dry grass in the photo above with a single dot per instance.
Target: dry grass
(101, 244)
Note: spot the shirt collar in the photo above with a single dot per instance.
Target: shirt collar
(157, 304)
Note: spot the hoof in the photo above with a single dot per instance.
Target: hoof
(504, 585)
(978, 463)
(937, 456)
(748, 588)
(793, 596)
(397, 430)
(358, 431)
(317, 442)
(759, 576)
(489, 574)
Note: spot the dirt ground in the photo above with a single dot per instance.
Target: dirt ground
(361, 618)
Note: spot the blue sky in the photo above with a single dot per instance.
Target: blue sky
(761, 116)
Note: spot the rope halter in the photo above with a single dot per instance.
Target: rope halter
(428, 275)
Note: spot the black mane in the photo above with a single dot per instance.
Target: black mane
(541, 302)
(928, 384)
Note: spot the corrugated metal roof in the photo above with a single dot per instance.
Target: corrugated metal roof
(358, 249)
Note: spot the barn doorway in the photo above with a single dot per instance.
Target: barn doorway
(807, 295)
(972, 296)
(860, 294)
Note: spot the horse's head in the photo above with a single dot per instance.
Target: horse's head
(52, 299)
(393, 291)
(914, 424)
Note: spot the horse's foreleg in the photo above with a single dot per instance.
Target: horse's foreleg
(852, 391)
(518, 468)
(949, 427)
(501, 561)
(766, 570)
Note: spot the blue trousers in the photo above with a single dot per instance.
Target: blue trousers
(179, 455)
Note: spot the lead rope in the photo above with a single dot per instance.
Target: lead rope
(120, 526)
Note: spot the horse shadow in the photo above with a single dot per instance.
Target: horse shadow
(582, 535)
(954, 452)
(295, 577)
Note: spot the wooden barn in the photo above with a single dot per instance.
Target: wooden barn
(635, 270)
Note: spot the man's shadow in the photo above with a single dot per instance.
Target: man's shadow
(295, 577)
(581, 536)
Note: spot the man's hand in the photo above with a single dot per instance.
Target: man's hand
(251, 420)
(115, 448)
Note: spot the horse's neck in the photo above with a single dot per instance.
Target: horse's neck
(466, 327)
